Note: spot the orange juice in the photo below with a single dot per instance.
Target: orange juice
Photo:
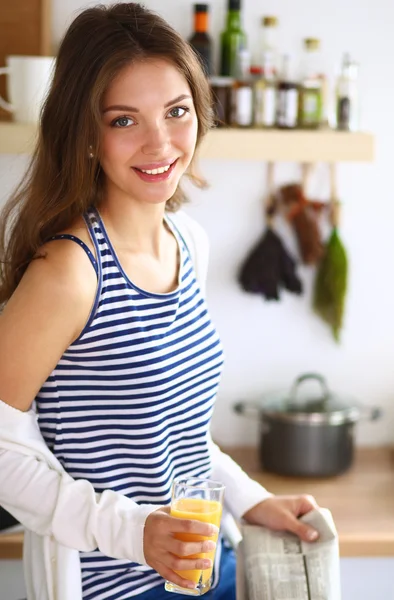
(199, 509)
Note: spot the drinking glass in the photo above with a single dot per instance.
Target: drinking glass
(201, 500)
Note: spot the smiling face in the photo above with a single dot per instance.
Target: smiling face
(148, 133)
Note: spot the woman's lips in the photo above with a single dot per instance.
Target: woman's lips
(149, 178)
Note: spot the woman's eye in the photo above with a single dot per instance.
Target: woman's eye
(178, 111)
(122, 122)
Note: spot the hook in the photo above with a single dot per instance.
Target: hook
(306, 170)
(269, 205)
(334, 202)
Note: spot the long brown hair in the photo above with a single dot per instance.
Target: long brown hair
(62, 181)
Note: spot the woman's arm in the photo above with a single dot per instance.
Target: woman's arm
(244, 497)
(46, 500)
(249, 500)
(242, 492)
(46, 313)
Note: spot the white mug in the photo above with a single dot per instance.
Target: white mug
(28, 81)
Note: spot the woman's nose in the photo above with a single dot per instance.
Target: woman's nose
(156, 140)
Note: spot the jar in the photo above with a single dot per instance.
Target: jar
(222, 97)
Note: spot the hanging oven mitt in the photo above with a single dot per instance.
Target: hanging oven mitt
(302, 215)
(268, 268)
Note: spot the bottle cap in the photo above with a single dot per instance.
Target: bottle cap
(201, 8)
(312, 43)
(256, 70)
(269, 21)
(234, 4)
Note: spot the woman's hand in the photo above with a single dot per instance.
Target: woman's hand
(281, 513)
(167, 554)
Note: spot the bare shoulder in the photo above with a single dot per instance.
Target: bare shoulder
(79, 230)
(65, 265)
(61, 267)
(45, 314)
(59, 284)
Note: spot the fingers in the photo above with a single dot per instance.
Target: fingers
(170, 575)
(180, 548)
(307, 503)
(192, 527)
(186, 564)
(164, 523)
(305, 532)
(173, 545)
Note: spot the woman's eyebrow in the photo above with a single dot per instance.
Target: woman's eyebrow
(123, 107)
(178, 99)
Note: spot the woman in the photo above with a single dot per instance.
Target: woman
(106, 329)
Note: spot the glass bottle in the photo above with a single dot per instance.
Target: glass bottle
(287, 97)
(232, 39)
(269, 50)
(242, 108)
(222, 90)
(312, 89)
(347, 101)
(200, 40)
(264, 99)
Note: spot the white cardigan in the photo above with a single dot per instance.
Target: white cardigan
(63, 516)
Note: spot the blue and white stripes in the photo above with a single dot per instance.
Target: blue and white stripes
(129, 404)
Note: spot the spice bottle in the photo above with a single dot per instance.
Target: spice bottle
(264, 100)
(232, 39)
(200, 40)
(265, 86)
(222, 89)
(242, 103)
(287, 97)
(268, 58)
(312, 87)
(347, 103)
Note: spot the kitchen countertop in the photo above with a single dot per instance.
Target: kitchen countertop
(361, 501)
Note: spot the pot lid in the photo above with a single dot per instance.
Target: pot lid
(306, 403)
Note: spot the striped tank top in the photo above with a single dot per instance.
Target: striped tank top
(129, 404)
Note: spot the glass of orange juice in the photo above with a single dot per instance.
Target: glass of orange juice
(201, 500)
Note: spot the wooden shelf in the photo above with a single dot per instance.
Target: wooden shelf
(242, 144)
(279, 145)
(16, 138)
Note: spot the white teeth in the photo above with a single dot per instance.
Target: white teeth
(157, 171)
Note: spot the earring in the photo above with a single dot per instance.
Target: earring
(91, 155)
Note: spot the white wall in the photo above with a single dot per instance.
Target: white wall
(267, 344)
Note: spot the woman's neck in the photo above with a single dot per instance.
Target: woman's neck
(135, 227)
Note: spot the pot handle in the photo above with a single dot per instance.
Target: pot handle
(306, 377)
(246, 409)
(372, 413)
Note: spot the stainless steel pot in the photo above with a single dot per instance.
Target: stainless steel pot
(306, 435)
